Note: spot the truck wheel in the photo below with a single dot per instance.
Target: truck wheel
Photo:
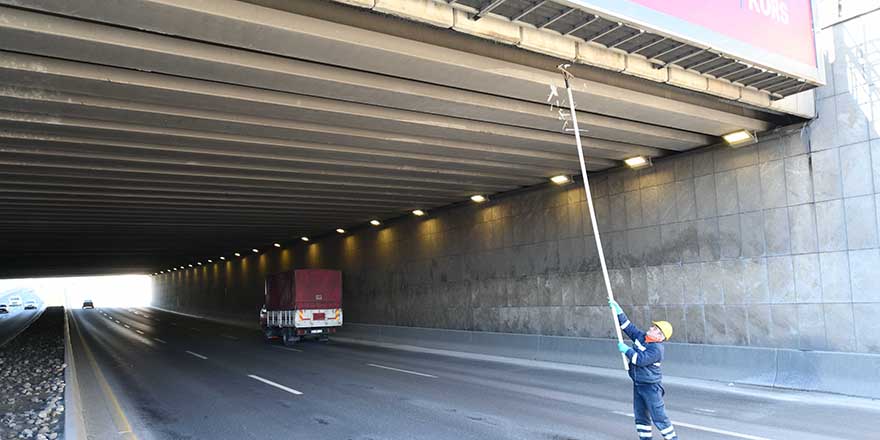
(288, 338)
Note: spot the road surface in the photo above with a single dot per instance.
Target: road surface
(150, 374)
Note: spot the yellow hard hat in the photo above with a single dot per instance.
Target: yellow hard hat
(665, 327)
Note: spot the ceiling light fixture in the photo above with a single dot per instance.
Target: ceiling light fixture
(418, 212)
(278, 245)
(237, 254)
(739, 138)
(560, 179)
(340, 230)
(304, 238)
(637, 162)
(375, 222)
(479, 198)
(222, 258)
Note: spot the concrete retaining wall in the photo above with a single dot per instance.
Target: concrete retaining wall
(841, 373)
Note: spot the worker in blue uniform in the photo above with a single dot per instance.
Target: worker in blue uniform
(644, 358)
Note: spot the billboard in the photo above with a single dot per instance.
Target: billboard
(773, 34)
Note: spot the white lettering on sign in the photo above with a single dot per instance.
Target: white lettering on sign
(319, 297)
(775, 9)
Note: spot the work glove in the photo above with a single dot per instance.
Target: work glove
(622, 347)
(615, 306)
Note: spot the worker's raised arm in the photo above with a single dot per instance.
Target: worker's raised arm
(628, 327)
(643, 357)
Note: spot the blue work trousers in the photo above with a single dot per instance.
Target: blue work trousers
(648, 407)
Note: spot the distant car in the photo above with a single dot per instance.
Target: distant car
(15, 301)
(3, 308)
(88, 304)
(30, 305)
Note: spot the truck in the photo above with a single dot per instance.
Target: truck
(302, 304)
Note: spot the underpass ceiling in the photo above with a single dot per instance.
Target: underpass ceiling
(143, 134)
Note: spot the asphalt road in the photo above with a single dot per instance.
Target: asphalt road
(150, 374)
(14, 322)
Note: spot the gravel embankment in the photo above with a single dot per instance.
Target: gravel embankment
(32, 380)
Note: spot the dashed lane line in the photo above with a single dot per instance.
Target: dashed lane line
(230, 337)
(706, 429)
(290, 349)
(403, 371)
(197, 355)
(159, 340)
(276, 385)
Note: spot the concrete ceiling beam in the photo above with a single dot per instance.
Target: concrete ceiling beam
(268, 30)
(28, 32)
(150, 89)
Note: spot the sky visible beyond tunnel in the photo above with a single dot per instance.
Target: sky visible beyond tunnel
(105, 291)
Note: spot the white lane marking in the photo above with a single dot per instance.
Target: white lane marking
(706, 429)
(402, 371)
(139, 331)
(276, 385)
(126, 325)
(230, 337)
(194, 329)
(290, 349)
(159, 340)
(705, 410)
(197, 355)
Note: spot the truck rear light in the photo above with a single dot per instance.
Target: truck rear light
(332, 330)
(318, 316)
(300, 332)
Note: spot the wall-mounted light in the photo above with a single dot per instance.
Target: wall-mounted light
(637, 162)
(278, 245)
(479, 198)
(182, 267)
(190, 265)
(304, 238)
(340, 230)
(739, 138)
(199, 263)
(223, 258)
(236, 254)
(375, 222)
(418, 212)
(560, 179)
(255, 250)
(210, 261)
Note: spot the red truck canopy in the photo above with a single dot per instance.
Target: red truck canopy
(304, 289)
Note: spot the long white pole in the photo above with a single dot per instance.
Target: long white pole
(577, 137)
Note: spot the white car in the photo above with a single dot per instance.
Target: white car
(15, 301)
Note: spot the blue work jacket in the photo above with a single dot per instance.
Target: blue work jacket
(644, 358)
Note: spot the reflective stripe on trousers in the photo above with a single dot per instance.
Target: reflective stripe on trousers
(648, 407)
